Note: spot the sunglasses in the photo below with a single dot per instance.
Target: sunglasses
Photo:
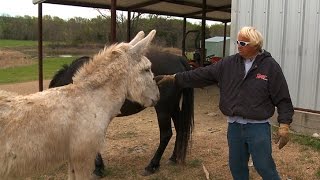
(242, 43)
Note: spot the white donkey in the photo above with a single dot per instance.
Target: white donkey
(41, 131)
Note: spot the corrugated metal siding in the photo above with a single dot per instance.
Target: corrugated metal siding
(291, 32)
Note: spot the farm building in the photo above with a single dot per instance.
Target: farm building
(214, 45)
(292, 35)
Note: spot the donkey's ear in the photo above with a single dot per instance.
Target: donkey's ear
(141, 47)
(137, 38)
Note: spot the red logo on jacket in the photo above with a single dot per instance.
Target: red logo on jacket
(262, 76)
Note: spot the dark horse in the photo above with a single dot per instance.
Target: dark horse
(168, 107)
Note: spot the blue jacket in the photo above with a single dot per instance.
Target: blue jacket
(254, 96)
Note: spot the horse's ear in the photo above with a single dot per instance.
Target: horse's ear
(137, 38)
(142, 46)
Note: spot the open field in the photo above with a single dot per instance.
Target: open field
(4, 43)
(19, 60)
(22, 73)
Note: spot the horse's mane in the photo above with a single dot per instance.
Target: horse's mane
(65, 74)
(108, 58)
(58, 74)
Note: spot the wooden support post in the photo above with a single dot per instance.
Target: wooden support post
(40, 51)
(113, 21)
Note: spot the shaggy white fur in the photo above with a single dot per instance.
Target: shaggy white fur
(41, 131)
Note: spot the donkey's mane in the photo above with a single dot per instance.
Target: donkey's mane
(6, 95)
(107, 61)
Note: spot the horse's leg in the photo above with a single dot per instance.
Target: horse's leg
(164, 122)
(175, 119)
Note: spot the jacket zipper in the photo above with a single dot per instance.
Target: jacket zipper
(250, 70)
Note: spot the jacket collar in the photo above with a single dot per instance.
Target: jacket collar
(260, 57)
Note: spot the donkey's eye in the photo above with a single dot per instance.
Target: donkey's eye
(147, 70)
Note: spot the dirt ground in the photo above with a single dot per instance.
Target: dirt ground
(131, 142)
(10, 58)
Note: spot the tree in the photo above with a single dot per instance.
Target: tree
(79, 30)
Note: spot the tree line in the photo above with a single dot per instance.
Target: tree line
(79, 30)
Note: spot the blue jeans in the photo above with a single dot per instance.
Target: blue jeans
(255, 140)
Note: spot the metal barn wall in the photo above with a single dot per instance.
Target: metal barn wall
(291, 30)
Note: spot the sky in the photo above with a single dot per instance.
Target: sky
(26, 7)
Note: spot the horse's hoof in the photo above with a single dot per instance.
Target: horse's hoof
(146, 173)
(171, 162)
(149, 172)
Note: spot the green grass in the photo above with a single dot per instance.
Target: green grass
(307, 141)
(318, 173)
(17, 43)
(195, 163)
(9, 43)
(30, 72)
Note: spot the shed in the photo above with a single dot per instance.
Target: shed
(214, 45)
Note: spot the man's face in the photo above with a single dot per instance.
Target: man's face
(246, 50)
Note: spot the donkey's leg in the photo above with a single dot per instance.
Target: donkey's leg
(84, 150)
(84, 166)
(99, 166)
(71, 175)
(164, 122)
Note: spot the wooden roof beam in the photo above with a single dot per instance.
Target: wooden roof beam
(144, 4)
(222, 9)
(198, 5)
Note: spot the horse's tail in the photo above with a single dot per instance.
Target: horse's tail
(185, 120)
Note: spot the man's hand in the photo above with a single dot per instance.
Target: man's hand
(282, 135)
(164, 79)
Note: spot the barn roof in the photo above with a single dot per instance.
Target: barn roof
(216, 10)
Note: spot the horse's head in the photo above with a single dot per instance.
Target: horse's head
(141, 86)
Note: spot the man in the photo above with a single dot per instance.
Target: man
(251, 86)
